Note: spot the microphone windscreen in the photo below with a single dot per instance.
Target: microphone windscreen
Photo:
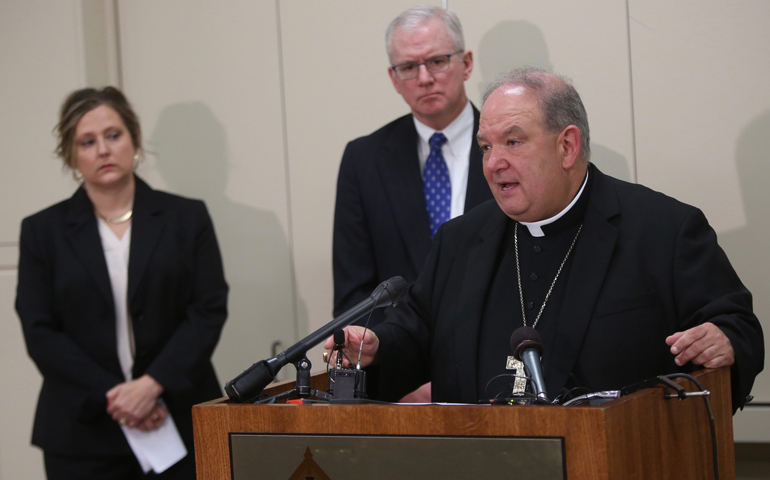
(523, 338)
(250, 383)
(339, 337)
(396, 288)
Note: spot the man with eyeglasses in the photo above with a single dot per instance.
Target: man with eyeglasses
(399, 184)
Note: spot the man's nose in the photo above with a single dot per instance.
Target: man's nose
(424, 76)
(495, 159)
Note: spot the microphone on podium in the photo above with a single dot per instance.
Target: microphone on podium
(527, 347)
(253, 380)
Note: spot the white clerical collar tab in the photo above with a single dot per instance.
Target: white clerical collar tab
(536, 228)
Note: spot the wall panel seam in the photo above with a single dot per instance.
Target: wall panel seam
(287, 170)
(115, 20)
(631, 93)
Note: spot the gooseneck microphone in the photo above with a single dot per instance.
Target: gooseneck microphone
(527, 347)
(252, 381)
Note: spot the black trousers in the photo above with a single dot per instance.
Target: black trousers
(62, 467)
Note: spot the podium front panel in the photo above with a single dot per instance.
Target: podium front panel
(385, 457)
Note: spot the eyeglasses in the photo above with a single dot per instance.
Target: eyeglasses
(437, 64)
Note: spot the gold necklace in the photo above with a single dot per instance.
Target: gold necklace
(121, 219)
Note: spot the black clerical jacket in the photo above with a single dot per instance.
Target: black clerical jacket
(645, 266)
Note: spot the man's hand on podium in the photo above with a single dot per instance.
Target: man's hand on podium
(705, 345)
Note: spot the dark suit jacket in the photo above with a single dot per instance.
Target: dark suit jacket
(177, 298)
(381, 227)
(644, 267)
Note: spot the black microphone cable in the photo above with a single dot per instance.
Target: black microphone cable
(570, 394)
(503, 392)
(710, 415)
(329, 360)
(357, 365)
(366, 329)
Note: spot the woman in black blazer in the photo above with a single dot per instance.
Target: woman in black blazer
(122, 299)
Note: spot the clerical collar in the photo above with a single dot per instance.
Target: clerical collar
(536, 228)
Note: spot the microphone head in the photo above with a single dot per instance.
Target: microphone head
(389, 292)
(250, 383)
(339, 337)
(524, 338)
(396, 287)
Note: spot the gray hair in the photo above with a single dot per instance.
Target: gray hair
(558, 99)
(421, 14)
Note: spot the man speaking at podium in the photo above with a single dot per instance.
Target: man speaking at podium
(622, 283)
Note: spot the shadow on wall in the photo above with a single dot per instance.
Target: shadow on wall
(747, 247)
(192, 157)
(517, 43)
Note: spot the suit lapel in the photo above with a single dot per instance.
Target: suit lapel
(593, 254)
(83, 236)
(146, 230)
(478, 188)
(479, 274)
(399, 168)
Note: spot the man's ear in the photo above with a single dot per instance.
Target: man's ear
(467, 64)
(569, 146)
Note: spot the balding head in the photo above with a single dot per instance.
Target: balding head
(534, 157)
(560, 104)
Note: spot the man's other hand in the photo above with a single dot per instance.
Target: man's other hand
(705, 345)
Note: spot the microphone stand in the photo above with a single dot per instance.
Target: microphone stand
(302, 388)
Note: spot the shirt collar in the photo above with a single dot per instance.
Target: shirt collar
(536, 228)
(458, 133)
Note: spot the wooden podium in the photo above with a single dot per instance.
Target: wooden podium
(639, 436)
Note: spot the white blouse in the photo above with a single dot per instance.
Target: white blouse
(159, 449)
(116, 251)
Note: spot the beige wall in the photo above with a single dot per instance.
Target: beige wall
(702, 111)
(41, 60)
(249, 104)
(205, 77)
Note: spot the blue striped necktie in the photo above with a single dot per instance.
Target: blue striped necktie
(437, 185)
